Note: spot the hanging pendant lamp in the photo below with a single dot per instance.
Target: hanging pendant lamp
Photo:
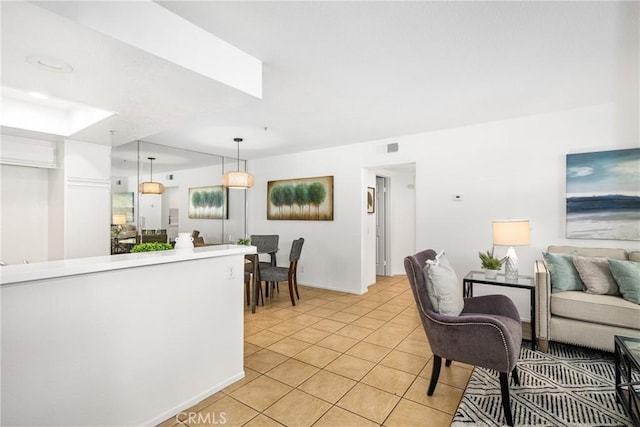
(151, 187)
(237, 179)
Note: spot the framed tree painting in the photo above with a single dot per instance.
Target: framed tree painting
(122, 204)
(603, 195)
(308, 199)
(209, 202)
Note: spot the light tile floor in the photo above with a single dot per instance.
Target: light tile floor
(335, 359)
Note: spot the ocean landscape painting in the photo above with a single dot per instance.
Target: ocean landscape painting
(603, 195)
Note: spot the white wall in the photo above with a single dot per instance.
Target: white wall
(331, 255)
(87, 199)
(23, 220)
(506, 169)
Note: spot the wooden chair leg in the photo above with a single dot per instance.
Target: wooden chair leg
(515, 376)
(447, 363)
(435, 374)
(506, 401)
(295, 285)
(293, 301)
(247, 289)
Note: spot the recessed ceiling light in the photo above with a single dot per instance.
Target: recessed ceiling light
(21, 110)
(50, 64)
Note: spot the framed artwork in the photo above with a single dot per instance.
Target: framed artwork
(603, 195)
(308, 199)
(371, 200)
(209, 202)
(122, 204)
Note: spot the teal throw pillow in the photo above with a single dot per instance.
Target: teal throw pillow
(627, 275)
(564, 276)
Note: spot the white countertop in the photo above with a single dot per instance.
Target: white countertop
(18, 273)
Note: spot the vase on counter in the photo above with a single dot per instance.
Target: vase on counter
(184, 241)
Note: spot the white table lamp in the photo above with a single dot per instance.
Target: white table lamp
(511, 233)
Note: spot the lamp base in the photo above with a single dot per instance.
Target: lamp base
(511, 265)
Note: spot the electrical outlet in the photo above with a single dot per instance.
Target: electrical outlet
(301, 268)
(230, 272)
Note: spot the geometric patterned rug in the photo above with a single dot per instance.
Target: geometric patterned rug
(569, 386)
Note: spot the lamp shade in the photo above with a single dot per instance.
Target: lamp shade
(237, 179)
(151, 187)
(511, 232)
(119, 219)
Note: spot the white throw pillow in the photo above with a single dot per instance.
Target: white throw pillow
(443, 286)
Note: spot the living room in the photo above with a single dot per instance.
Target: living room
(506, 165)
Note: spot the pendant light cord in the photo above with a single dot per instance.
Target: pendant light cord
(151, 159)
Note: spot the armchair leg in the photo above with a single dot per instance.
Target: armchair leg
(447, 363)
(514, 375)
(506, 403)
(435, 373)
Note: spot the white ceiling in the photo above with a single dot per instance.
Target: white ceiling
(335, 72)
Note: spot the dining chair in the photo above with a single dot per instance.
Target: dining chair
(269, 273)
(266, 244)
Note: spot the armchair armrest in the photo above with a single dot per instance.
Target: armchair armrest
(492, 304)
(543, 300)
(484, 340)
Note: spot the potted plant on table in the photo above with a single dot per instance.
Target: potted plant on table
(490, 264)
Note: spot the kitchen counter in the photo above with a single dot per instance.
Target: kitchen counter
(129, 339)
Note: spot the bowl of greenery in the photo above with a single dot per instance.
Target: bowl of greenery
(491, 264)
(151, 247)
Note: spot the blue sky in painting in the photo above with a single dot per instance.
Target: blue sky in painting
(604, 172)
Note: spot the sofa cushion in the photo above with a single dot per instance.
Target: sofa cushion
(603, 309)
(443, 286)
(596, 275)
(564, 276)
(627, 275)
(577, 250)
(634, 256)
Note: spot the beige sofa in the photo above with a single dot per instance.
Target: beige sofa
(580, 318)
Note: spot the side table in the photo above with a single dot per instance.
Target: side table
(522, 282)
(627, 357)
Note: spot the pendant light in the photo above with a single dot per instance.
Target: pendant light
(237, 179)
(151, 187)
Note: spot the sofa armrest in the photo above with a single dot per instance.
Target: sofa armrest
(542, 280)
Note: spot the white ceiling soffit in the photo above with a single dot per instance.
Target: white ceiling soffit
(154, 29)
(149, 93)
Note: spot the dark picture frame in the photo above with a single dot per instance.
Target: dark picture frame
(304, 199)
(371, 200)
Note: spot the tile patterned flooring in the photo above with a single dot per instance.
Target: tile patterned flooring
(335, 359)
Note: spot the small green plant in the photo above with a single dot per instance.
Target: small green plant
(246, 242)
(489, 261)
(151, 247)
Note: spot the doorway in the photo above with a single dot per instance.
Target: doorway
(381, 208)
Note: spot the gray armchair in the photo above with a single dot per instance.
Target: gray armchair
(488, 332)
